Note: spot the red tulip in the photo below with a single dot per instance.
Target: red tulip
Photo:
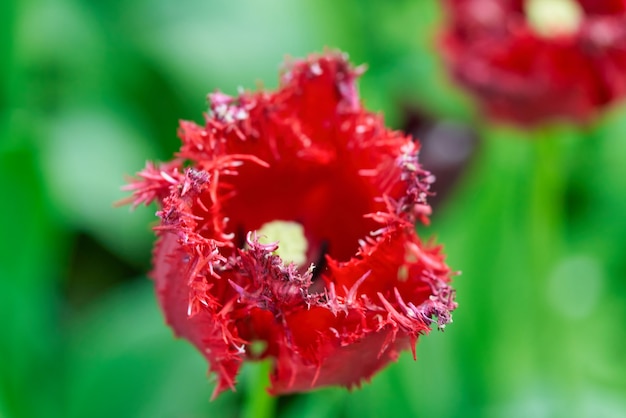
(347, 285)
(530, 61)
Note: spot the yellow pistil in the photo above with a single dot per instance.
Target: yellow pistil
(550, 18)
(292, 244)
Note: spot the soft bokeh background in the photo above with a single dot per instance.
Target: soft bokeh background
(90, 90)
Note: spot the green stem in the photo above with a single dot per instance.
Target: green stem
(259, 403)
(547, 199)
(547, 231)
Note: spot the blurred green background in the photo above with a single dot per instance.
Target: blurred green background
(91, 90)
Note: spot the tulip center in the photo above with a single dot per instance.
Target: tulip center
(550, 18)
(292, 244)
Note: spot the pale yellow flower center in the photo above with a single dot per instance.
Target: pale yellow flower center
(292, 244)
(550, 18)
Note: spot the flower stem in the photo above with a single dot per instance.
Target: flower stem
(547, 194)
(258, 402)
(547, 229)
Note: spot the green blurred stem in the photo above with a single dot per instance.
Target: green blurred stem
(547, 198)
(259, 403)
(547, 232)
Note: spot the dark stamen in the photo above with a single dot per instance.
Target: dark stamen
(240, 237)
(320, 264)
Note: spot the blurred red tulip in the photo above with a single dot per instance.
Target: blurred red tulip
(537, 60)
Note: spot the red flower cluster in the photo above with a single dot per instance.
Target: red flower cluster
(341, 191)
(529, 61)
